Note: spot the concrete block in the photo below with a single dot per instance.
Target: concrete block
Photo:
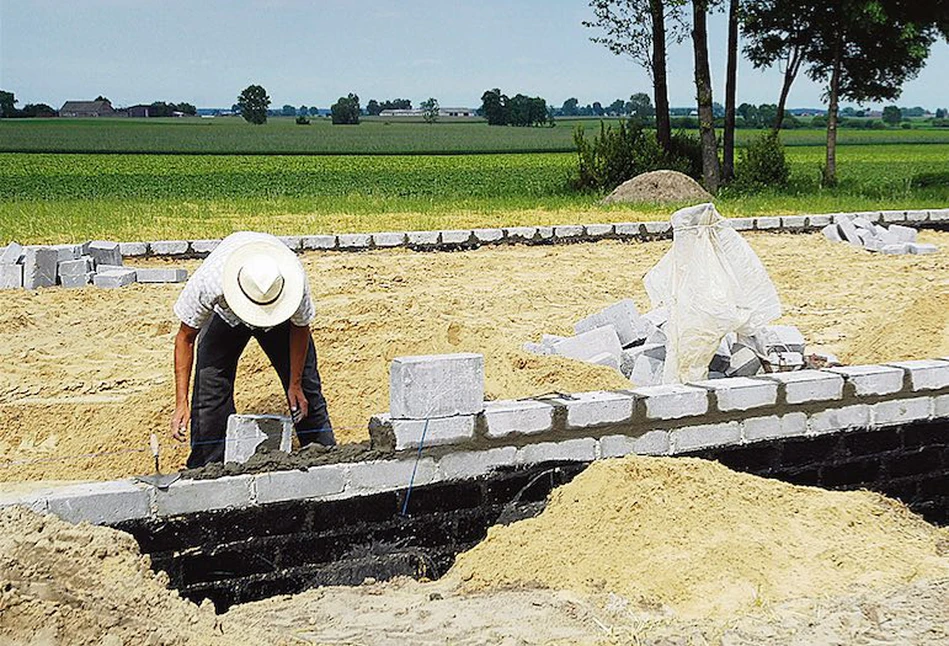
(646, 370)
(113, 279)
(521, 234)
(568, 232)
(12, 254)
(319, 242)
(582, 449)
(507, 417)
(587, 345)
(77, 267)
(832, 233)
(623, 316)
(898, 249)
(436, 386)
(605, 359)
(34, 500)
(902, 411)
(941, 407)
(903, 234)
(39, 267)
(389, 239)
(129, 249)
(389, 475)
(629, 356)
(67, 251)
(456, 236)
(422, 238)
(939, 215)
(672, 401)
(808, 385)
(650, 443)
(11, 276)
(598, 231)
(246, 432)
(170, 247)
(294, 243)
(161, 275)
(463, 465)
(874, 244)
(774, 426)
(848, 231)
(456, 429)
(101, 503)
(863, 223)
(871, 380)
(818, 221)
(315, 482)
(925, 374)
(922, 249)
(355, 241)
(705, 435)
(917, 216)
(741, 393)
(893, 216)
(794, 222)
(102, 268)
(767, 222)
(204, 247)
(658, 228)
(77, 281)
(839, 419)
(545, 233)
(191, 496)
(598, 408)
(741, 224)
(629, 229)
(485, 236)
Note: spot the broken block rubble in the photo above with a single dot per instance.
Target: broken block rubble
(860, 232)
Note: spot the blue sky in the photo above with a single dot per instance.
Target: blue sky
(206, 51)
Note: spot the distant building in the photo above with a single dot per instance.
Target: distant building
(418, 112)
(138, 110)
(88, 109)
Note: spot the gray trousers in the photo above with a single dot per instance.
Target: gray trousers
(212, 400)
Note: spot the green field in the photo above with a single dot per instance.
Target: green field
(374, 136)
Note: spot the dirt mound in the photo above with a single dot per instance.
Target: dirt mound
(78, 584)
(659, 186)
(705, 541)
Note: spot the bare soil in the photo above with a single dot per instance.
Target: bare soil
(659, 186)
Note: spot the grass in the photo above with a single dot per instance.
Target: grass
(374, 136)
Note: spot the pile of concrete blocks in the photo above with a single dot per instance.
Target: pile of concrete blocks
(861, 232)
(635, 344)
(97, 263)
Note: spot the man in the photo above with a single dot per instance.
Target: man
(251, 285)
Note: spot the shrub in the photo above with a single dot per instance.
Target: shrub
(762, 164)
(906, 125)
(930, 180)
(303, 121)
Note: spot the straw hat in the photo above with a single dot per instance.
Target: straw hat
(263, 283)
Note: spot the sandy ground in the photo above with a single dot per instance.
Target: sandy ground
(87, 373)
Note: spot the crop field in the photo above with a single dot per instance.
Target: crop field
(374, 136)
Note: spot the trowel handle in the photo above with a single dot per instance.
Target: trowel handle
(153, 441)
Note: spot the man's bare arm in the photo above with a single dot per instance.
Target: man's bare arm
(184, 360)
(299, 345)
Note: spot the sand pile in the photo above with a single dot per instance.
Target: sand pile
(705, 541)
(66, 584)
(659, 186)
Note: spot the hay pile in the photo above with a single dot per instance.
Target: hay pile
(659, 186)
(705, 541)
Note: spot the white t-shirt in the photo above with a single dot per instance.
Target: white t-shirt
(203, 295)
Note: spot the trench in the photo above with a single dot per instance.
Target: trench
(241, 555)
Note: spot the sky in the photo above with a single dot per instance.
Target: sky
(206, 51)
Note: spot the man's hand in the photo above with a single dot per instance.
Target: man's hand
(299, 408)
(180, 422)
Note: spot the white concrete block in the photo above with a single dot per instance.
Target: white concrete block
(774, 426)
(39, 267)
(741, 224)
(898, 249)
(77, 267)
(67, 251)
(545, 232)
(436, 386)
(463, 465)
(11, 276)
(191, 496)
(12, 254)
(597, 408)
(104, 252)
(34, 500)
(690, 438)
(658, 228)
(794, 222)
(628, 229)
(129, 249)
(507, 417)
(76, 281)
(598, 230)
(456, 236)
(925, 374)
(204, 247)
(521, 234)
(848, 231)
(818, 221)
(917, 216)
(568, 232)
(623, 316)
(389, 239)
(422, 238)
(894, 216)
(941, 407)
(672, 401)
(294, 243)
(646, 369)
(922, 249)
(389, 475)
(101, 503)
(939, 215)
(170, 247)
(741, 393)
(650, 443)
(315, 482)
(246, 432)
(902, 411)
(871, 380)
(456, 429)
(832, 233)
(586, 345)
(161, 275)
(808, 385)
(485, 236)
(839, 419)
(767, 222)
(903, 234)
(322, 242)
(114, 278)
(355, 241)
(582, 449)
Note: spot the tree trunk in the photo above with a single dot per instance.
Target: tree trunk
(660, 88)
(703, 86)
(790, 73)
(728, 137)
(830, 168)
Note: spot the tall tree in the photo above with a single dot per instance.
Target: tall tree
(711, 171)
(253, 103)
(7, 104)
(430, 110)
(346, 110)
(494, 107)
(570, 107)
(731, 90)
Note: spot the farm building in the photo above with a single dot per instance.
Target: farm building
(442, 112)
(87, 109)
(138, 110)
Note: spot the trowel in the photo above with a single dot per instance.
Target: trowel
(158, 480)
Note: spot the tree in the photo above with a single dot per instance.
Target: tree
(346, 110)
(617, 108)
(892, 115)
(569, 107)
(940, 113)
(7, 104)
(253, 103)
(430, 110)
(373, 108)
(494, 107)
(731, 90)
(102, 98)
(314, 111)
(288, 110)
(302, 111)
(38, 110)
(711, 170)
(539, 114)
(187, 108)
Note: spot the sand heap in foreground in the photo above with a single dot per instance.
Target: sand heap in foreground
(67, 584)
(705, 541)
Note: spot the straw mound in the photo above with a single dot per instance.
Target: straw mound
(705, 541)
(659, 186)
